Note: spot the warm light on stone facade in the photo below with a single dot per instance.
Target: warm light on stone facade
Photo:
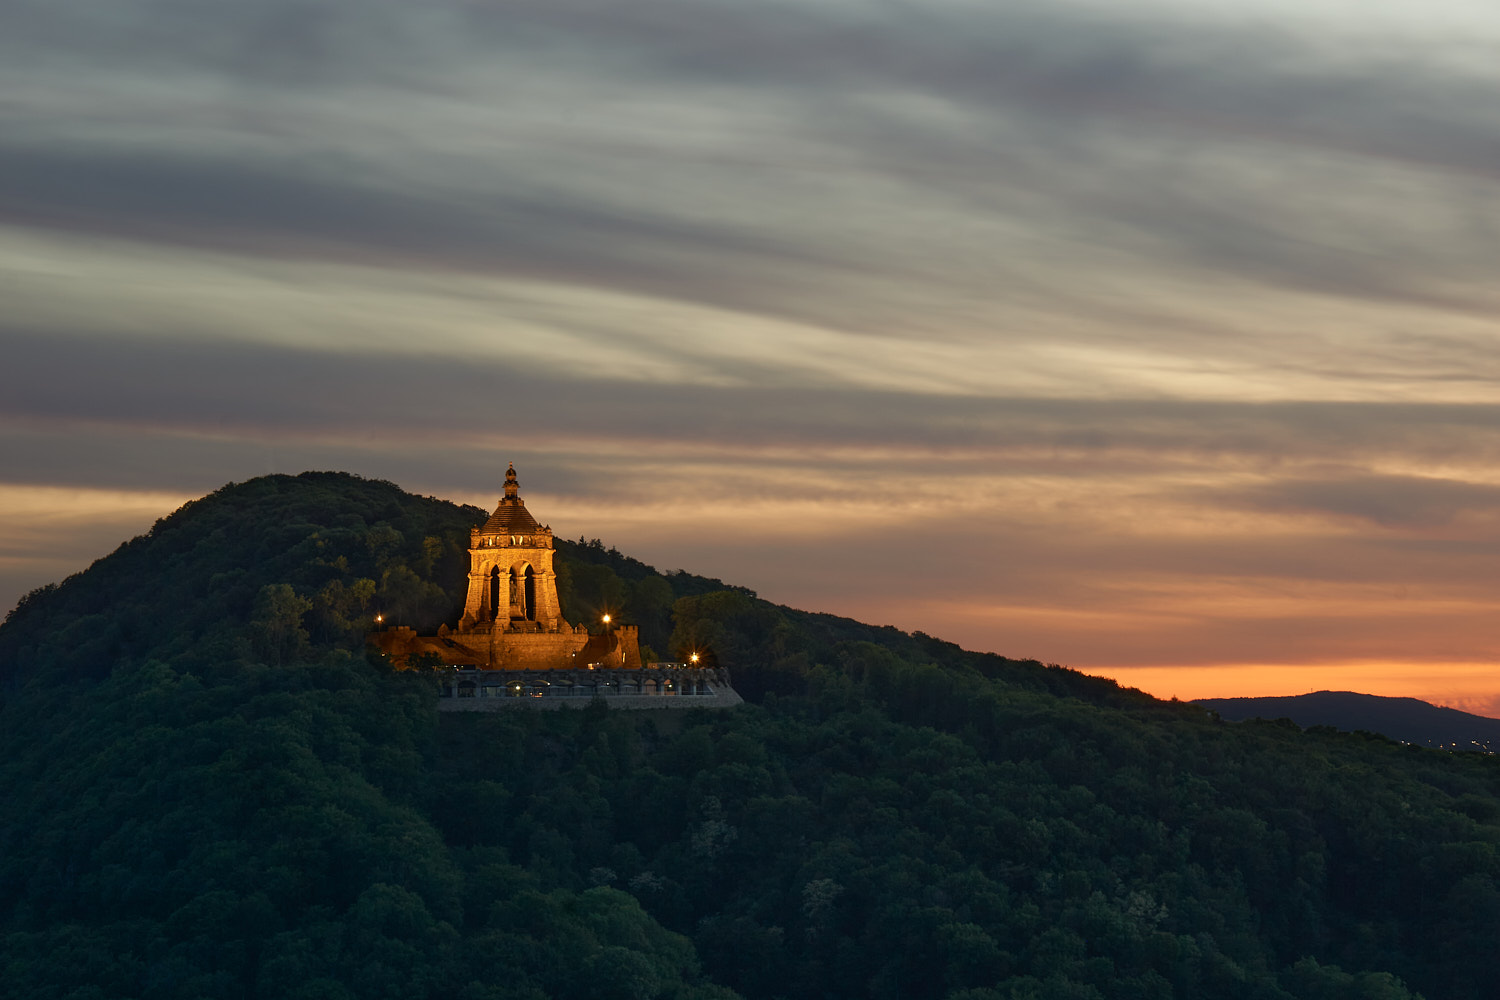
(512, 619)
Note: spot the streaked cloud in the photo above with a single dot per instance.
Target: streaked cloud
(1157, 338)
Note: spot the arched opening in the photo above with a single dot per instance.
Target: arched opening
(530, 594)
(494, 606)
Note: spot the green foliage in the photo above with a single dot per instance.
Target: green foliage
(277, 622)
(207, 789)
(592, 580)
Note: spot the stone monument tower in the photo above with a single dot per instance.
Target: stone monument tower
(513, 648)
(512, 619)
(511, 582)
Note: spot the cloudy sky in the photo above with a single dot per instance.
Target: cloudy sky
(1156, 339)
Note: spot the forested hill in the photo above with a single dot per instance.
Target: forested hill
(208, 789)
(1406, 719)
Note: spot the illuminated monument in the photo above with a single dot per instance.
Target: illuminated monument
(511, 582)
(512, 644)
(512, 619)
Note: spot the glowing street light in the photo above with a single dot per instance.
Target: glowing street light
(694, 658)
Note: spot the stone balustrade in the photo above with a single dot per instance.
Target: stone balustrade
(664, 685)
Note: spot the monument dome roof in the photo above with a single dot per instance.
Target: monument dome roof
(511, 516)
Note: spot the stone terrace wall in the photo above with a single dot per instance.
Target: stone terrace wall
(652, 688)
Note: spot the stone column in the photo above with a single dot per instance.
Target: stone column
(474, 603)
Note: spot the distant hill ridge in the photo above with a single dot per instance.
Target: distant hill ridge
(1407, 720)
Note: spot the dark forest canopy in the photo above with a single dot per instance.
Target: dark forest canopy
(209, 789)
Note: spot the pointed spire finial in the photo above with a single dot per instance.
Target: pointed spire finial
(512, 487)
